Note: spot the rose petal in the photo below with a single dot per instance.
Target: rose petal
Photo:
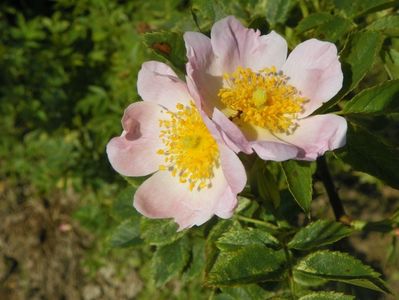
(233, 169)
(158, 83)
(314, 69)
(317, 134)
(163, 196)
(134, 152)
(274, 151)
(232, 135)
(199, 50)
(226, 205)
(236, 45)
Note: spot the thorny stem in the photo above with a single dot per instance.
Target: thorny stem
(333, 196)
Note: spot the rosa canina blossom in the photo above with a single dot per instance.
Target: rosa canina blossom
(195, 175)
(261, 100)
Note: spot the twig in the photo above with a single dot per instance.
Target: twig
(333, 196)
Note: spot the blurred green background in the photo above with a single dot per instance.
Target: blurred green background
(68, 68)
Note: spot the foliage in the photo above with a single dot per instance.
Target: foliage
(69, 70)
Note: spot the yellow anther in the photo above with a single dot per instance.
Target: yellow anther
(190, 151)
(263, 99)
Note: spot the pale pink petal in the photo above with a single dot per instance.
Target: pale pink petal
(274, 151)
(317, 134)
(199, 50)
(236, 45)
(134, 152)
(226, 205)
(268, 50)
(158, 83)
(314, 69)
(204, 87)
(232, 135)
(233, 169)
(163, 196)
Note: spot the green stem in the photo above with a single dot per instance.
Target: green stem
(316, 5)
(388, 72)
(304, 8)
(291, 281)
(257, 222)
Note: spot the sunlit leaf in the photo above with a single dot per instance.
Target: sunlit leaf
(380, 99)
(215, 233)
(248, 264)
(318, 234)
(327, 296)
(337, 266)
(238, 238)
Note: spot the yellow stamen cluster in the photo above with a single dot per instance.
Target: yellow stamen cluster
(262, 99)
(190, 151)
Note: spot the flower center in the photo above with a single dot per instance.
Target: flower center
(263, 99)
(190, 151)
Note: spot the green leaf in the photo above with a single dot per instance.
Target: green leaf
(358, 58)
(267, 186)
(337, 266)
(318, 234)
(356, 8)
(388, 25)
(369, 153)
(159, 232)
(238, 238)
(277, 11)
(364, 47)
(325, 26)
(197, 261)
(380, 99)
(246, 265)
(299, 180)
(215, 233)
(327, 296)
(306, 280)
(206, 13)
(246, 292)
(122, 207)
(126, 234)
(169, 260)
(169, 45)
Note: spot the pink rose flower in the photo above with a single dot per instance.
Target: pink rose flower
(261, 100)
(195, 175)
